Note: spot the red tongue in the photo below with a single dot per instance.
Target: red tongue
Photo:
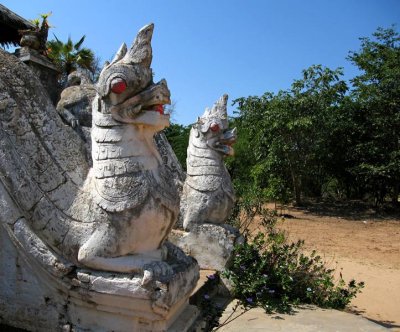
(160, 109)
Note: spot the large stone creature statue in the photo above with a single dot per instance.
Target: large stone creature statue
(134, 199)
(89, 243)
(208, 195)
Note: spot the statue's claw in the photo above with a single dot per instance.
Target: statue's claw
(147, 277)
(156, 271)
(74, 123)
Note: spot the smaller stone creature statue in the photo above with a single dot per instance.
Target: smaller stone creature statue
(75, 105)
(208, 195)
(36, 38)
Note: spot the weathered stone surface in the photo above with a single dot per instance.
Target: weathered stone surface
(304, 319)
(133, 200)
(25, 300)
(43, 68)
(75, 105)
(208, 194)
(93, 239)
(210, 244)
(41, 293)
(169, 159)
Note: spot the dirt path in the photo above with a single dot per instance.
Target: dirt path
(362, 245)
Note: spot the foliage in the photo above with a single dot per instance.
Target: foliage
(377, 96)
(321, 139)
(271, 273)
(178, 137)
(210, 310)
(288, 132)
(70, 56)
(44, 24)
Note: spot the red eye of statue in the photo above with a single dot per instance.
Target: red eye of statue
(118, 85)
(214, 127)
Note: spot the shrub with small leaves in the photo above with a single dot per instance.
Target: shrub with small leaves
(271, 273)
(210, 310)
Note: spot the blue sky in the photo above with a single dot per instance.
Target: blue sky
(210, 47)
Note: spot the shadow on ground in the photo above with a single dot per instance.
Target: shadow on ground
(355, 210)
(385, 323)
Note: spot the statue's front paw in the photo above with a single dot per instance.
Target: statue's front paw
(156, 271)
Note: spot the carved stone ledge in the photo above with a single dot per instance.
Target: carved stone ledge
(26, 54)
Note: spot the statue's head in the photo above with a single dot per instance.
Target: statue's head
(212, 126)
(126, 85)
(78, 77)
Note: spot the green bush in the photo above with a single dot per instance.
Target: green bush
(271, 273)
(211, 311)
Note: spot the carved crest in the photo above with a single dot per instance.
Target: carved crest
(216, 115)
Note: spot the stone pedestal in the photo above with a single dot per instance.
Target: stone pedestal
(40, 292)
(44, 69)
(212, 245)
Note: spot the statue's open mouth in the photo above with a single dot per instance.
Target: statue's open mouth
(159, 108)
(225, 142)
(229, 137)
(151, 99)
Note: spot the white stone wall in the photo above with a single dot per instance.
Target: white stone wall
(22, 295)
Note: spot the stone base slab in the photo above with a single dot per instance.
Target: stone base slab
(210, 244)
(34, 298)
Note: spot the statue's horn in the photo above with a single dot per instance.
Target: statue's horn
(140, 51)
(219, 108)
(206, 113)
(221, 103)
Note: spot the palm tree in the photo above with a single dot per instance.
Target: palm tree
(70, 56)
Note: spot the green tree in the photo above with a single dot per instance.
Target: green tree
(178, 137)
(288, 132)
(70, 56)
(343, 134)
(244, 158)
(376, 92)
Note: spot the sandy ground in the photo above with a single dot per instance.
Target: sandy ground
(362, 245)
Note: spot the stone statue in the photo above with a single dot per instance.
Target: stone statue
(91, 241)
(134, 197)
(208, 195)
(75, 105)
(36, 38)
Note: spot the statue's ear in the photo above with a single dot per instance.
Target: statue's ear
(106, 64)
(120, 53)
(96, 104)
(140, 51)
(196, 131)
